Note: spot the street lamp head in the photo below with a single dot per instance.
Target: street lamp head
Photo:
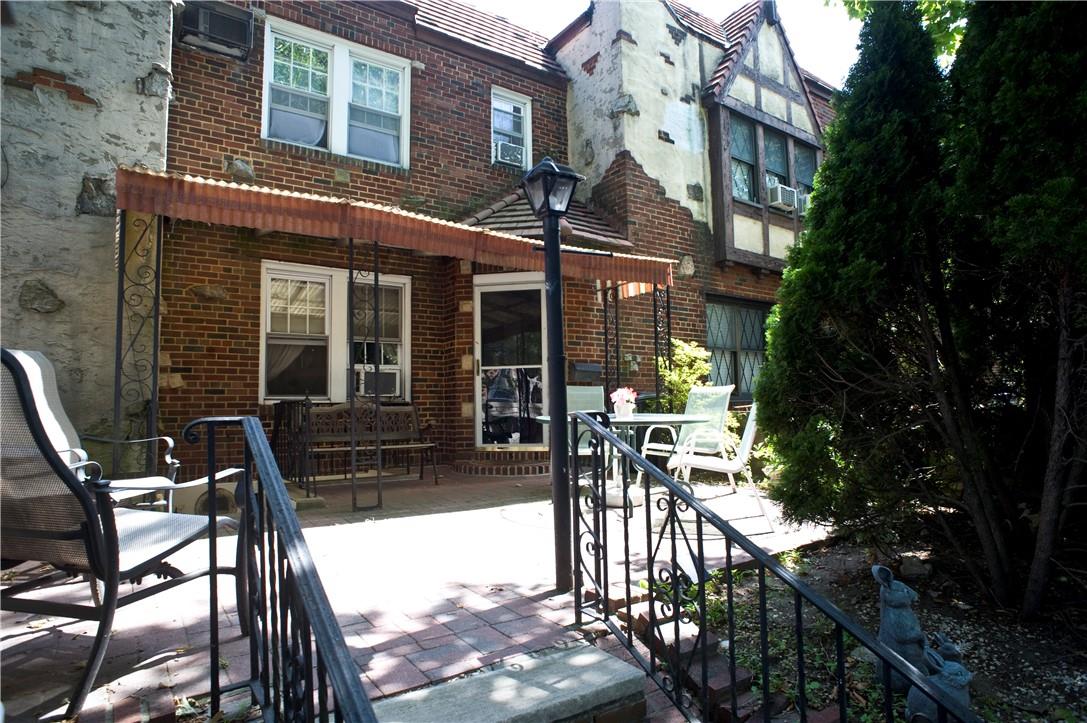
(549, 187)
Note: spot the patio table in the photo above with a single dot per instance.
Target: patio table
(626, 428)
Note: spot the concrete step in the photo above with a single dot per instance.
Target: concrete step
(577, 682)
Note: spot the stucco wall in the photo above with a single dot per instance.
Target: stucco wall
(81, 94)
(642, 94)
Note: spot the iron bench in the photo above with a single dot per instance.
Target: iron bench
(328, 443)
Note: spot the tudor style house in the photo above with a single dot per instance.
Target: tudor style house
(700, 140)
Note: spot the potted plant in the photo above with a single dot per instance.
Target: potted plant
(622, 400)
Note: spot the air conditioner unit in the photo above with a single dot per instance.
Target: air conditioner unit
(218, 27)
(509, 153)
(783, 197)
(802, 203)
(388, 381)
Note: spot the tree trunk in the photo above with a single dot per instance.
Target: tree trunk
(1055, 478)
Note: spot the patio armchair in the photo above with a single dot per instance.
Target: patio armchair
(692, 455)
(67, 442)
(709, 402)
(50, 515)
(585, 399)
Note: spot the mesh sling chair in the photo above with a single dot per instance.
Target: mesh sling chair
(49, 515)
(62, 433)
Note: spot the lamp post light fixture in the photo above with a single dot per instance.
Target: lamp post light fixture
(549, 187)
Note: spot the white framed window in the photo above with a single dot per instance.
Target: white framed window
(304, 333)
(295, 325)
(511, 128)
(386, 354)
(324, 92)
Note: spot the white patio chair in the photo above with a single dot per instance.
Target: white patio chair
(693, 456)
(708, 436)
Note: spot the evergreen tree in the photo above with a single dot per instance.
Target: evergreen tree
(864, 393)
(1020, 103)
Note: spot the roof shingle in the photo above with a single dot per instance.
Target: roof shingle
(513, 215)
(486, 31)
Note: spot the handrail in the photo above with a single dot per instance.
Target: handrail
(297, 651)
(602, 438)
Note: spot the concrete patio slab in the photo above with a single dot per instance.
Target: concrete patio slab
(445, 580)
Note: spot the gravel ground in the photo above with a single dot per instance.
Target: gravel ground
(1022, 671)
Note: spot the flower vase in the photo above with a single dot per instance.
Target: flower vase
(624, 410)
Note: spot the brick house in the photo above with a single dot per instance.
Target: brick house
(416, 111)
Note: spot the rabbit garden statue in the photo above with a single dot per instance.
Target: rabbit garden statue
(899, 628)
(947, 650)
(949, 678)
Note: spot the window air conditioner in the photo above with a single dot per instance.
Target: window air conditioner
(509, 153)
(782, 197)
(218, 27)
(388, 381)
(802, 203)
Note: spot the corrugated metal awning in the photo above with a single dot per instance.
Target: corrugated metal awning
(230, 204)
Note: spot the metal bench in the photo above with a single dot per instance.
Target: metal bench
(328, 439)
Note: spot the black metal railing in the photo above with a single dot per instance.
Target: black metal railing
(719, 624)
(300, 667)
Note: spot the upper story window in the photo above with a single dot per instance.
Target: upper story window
(298, 93)
(374, 126)
(785, 161)
(511, 128)
(325, 92)
(805, 168)
(776, 153)
(743, 159)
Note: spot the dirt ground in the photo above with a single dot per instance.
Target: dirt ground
(1034, 671)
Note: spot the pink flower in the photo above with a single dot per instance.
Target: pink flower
(624, 394)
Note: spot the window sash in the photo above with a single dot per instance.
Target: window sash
(317, 91)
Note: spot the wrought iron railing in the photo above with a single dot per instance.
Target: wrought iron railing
(300, 667)
(647, 573)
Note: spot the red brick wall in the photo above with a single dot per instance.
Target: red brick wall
(212, 346)
(217, 113)
(659, 226)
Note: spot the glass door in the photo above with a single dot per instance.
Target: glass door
(510, 371)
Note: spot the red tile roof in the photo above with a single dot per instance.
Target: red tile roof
(697, 22)
(486, 31)
(513, 215)
(821, 93)
(739, 28)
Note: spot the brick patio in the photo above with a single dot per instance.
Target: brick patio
(444, 580)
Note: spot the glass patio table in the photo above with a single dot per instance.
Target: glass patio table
(627, 428)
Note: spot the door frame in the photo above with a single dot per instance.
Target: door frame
(517, 281)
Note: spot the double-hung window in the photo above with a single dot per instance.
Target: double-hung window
(742, 148)
(374, 125)
(298, 92)
(736, 339)
(296, 335)
(305, 349)
(381, 335)
(511, 128)
(324, 92)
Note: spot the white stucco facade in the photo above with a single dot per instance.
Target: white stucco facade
(86, 88)
(642, 93)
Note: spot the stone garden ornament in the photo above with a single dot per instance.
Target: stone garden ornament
(899, 628)
(950, 678)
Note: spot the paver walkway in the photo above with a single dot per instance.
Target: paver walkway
(445, 579)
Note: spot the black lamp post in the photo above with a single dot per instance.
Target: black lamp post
(549, 187)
